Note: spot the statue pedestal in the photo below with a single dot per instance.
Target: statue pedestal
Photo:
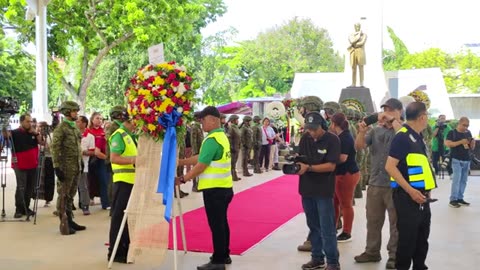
(359, 93)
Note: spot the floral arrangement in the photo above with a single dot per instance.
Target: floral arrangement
(290, 105)
(421, 96)
(157, 91)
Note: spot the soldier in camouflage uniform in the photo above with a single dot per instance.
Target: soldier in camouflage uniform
(256, 143)
(223, 122)
(67, 162)
(247, 143)
(196, 140)
(235, 143)
(330, 109)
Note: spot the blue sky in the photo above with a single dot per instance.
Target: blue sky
(420, 24)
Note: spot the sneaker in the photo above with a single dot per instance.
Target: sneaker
(390, 264)
(344, 237)
(333, 267)
(86, 212)
(313, 264)
(364, 258)
(454, 204)
(306, 246)
(463, 203)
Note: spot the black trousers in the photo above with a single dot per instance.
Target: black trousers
(436, 158)
(24, 191)
(121, 194)
(216, 202)
(413, 224)
(265, 155)
(49, 173)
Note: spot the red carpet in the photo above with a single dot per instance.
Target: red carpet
(253, 215)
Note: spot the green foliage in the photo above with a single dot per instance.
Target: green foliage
(17, 71)
(267, 64)
(85, 32)
(461, 71)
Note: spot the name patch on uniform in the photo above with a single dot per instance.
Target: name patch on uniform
(322, 151)
(114, 144)
(412, 138)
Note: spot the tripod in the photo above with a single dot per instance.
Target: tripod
(6, 141)
(40, 175)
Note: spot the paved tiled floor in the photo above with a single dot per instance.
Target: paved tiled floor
(454, 240)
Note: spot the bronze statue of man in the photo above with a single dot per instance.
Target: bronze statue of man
(357, 53)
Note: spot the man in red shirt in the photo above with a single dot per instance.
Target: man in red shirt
(24, 162)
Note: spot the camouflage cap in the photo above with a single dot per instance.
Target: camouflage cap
(343, 108)
(118, 112)
(332, 106)
(311, 103)
(257, 118)
(223, 116)
(247, 118)
(68, 106)
(233, 117)
(349, 113)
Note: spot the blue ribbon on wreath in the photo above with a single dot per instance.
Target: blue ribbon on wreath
(166, 180)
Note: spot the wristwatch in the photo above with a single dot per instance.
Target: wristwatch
(309, 168)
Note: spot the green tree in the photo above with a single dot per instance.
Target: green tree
(392, 59)
(17, 71)
(273, 58)
(96, 28)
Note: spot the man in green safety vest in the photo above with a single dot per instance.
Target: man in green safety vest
(213, 168)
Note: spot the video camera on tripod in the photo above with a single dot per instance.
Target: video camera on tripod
(293, 167)
(8, 107)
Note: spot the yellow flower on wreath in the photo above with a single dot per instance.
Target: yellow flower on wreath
(151, 127)
(165, 104)
(158, 81)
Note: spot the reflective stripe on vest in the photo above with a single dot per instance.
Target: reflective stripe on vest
(124, 173)
(420, 174)
(218, 174)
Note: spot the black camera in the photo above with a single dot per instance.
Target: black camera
(293, 167)
(371, 119)
(8, 105)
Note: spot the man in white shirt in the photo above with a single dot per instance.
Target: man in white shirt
(88, 150)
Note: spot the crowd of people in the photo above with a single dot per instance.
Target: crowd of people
(93, 157)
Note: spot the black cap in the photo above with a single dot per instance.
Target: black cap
(314, 120)
(393, 103)
(209, 110)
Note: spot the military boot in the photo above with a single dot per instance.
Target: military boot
(247, 173)
(74, 225)
(65, 229)
(276, 167)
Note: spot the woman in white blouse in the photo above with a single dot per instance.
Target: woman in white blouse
(268, 136)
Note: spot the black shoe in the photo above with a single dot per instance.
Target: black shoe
(74, 208)
(276, 168)
(454, 204)
(76, 227)
(313, 264)
(18, 215)
(228, 260)
(463, 203)
(211, 266)
(344, 237)
(30, 212)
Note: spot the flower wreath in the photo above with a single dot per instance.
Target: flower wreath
(421, 96)
(354, 104)
(290, 105)
(157, 92)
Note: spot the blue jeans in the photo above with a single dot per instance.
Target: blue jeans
(102, 176)
(459, 178)
(320, 215)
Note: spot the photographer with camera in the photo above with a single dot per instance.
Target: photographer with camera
(48, 171)
(461, 143)
(24, 163)
(439, 149)
(317, 187)
(379, 193)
